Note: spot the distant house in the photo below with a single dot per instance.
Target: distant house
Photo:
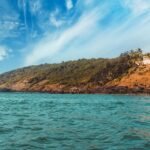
(146, 60)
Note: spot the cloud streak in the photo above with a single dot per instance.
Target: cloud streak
(3, 53)
(55, 20)
(69, 4)
(54, 44)
(91, 36)
(137, 6)
(44, 31)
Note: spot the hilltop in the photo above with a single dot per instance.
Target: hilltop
(128, 73)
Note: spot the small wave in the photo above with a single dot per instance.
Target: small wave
(131, 137)
(41, 139)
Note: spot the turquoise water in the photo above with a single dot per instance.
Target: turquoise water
(74, 122)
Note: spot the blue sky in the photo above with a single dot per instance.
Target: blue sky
(50, 31)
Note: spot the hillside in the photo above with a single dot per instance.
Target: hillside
(138, 80)
(124, 74)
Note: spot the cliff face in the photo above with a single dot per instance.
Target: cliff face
(137, 80)
(117, 75)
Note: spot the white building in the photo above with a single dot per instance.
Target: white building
(146, 60)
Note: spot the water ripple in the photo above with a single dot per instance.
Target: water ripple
(74, 122)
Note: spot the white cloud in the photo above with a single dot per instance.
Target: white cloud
(35, 6)
(22, 5)
(89, 38)
(137, 6)
(55, 20)
(69, 4)
(8, 25)
(56, 43)
(9, 20)
(8, 28)
(3, 53)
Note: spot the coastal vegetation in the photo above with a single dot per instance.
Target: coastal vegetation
(80, 75)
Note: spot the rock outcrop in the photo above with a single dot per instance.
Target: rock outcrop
(118, 75)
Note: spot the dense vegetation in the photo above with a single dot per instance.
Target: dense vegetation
(83, 71)
(119, 66)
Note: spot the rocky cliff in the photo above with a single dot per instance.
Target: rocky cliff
(124, 74)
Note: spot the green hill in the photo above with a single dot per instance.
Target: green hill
(83, 75)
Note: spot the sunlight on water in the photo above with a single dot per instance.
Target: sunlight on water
(68, 122)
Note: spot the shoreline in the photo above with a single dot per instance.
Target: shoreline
(79, 93)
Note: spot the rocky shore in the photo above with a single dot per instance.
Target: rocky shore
(127, 74)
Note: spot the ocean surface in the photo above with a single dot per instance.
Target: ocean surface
(34, 121)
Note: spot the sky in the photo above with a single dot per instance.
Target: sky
(35, 32)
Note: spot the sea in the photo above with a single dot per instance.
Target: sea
(42, 121)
